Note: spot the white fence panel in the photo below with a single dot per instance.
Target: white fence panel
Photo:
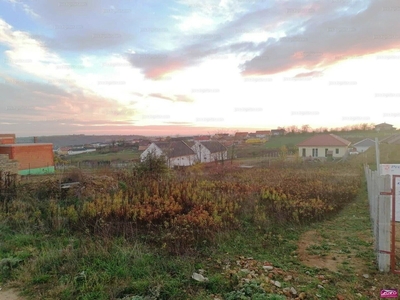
(380, 212)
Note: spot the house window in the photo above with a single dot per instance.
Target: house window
(337, 151)
(315, 152)
(303, 152)
(326, 152)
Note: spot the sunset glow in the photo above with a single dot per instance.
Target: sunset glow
(190, 67)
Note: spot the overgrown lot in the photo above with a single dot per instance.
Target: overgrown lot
(141, 234)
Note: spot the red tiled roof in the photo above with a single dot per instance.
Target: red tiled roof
(324, 140)
(263, 132)
(202, 138)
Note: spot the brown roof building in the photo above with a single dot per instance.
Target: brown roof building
(324, 140)
(324, 145)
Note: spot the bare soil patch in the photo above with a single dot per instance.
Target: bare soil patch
(9, 294)
(312, 238)
(317, 252)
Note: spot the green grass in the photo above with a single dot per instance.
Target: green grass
(124, 155)
(389, 154)
(84, 267)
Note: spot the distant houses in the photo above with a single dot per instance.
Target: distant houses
(241, 135)
(143, 145)
(263, 134)
(384, 127)
(202, 138)
(277, 132)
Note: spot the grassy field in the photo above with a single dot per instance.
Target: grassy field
(389, 154)
(266, 257)
(124, 155)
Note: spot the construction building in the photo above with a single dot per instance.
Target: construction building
(33, 158)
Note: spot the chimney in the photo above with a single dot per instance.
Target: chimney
(35, 139)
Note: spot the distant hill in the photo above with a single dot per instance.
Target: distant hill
(76, 140)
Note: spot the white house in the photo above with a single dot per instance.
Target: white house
(324, 145)
(208, 151)
(177, 153)
(263, 134)
(364, 145)
(79, 151)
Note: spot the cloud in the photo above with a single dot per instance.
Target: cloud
(90, 25)
(324, 42)
(290, 35)
(179, 123)
(173, 98)
(310, 74)
(52, 107)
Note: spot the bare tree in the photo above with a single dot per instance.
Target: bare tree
(305, 128)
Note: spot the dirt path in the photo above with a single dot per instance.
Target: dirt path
(9, 294)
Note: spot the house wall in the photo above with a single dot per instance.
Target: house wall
(204, 155)
(385, 128)
(362, 149)
(182, 161)
(223, 155)
(263, 136)
(321, 151)
(72, 152)
(32, 159)
(151, 149)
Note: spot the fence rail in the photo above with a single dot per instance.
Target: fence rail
(380, 197)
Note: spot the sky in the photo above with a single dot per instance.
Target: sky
(153, 67)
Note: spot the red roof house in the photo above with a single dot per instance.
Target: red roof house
(324, 145)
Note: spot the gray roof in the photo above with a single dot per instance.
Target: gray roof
(384, 124)
(175, 148)
(393, 139)
(365, 143)
(214, 146)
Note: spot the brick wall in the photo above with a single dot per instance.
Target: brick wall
(30, 156)
(7, 138)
